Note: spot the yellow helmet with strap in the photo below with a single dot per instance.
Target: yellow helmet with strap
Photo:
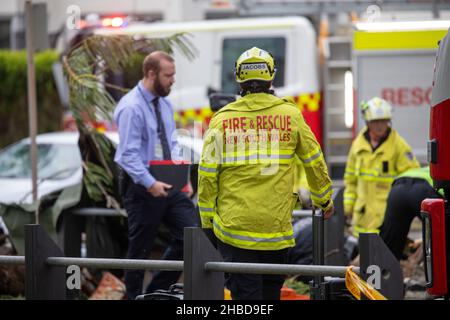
(376, 109)
(255, 64)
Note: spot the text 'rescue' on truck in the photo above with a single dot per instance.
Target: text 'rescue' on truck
(394, 61)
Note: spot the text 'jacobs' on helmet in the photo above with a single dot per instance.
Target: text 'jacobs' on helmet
(255, 64)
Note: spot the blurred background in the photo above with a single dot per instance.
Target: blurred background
(330, 54)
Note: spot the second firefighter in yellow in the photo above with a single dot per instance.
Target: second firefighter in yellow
(376, 157)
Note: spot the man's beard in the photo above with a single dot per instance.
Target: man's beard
(159, 89)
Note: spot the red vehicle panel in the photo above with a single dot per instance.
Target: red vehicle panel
(435, 254)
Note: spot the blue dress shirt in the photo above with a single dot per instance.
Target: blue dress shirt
(138, 133)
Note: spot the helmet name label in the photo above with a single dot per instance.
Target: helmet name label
(254, 66)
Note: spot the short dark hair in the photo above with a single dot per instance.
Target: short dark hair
(152, 61)
(255, 86)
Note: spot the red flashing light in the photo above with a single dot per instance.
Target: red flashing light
(117, 22)
(106, 22)
(114, 22)
(82, 24)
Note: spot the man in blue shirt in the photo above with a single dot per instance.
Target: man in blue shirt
(144, 118)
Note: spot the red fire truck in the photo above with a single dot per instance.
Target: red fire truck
(436, 212)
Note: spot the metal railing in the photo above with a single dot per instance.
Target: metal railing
(166, 265)
(99, 212)
(171, 265)
(12, 260)
(302, 213)
(285, 269)
(203, 266)
(73, 223)
(105, 212)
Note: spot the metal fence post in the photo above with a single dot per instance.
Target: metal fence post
(42, 281)
(317, 287)
(200, 284)
(334, 232)
(375, 256)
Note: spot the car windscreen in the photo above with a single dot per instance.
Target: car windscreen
(55, 161)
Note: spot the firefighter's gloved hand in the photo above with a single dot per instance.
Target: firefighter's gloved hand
(329, 211)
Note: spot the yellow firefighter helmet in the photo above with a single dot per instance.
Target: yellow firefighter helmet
(376, 109)
(255, 64)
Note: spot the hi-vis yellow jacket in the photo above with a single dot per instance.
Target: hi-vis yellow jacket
(246, 172)
(368, 178)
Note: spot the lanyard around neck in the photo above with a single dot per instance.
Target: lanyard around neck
(145, 99)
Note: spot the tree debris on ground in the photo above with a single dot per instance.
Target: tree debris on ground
(12, 277)
(109, 288)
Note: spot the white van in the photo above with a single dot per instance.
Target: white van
(291, 40)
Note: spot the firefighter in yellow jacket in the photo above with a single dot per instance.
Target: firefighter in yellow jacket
(246, 176)
(376, 157)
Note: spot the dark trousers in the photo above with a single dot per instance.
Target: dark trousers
(253, 286)
(145, 214)
(403, 204)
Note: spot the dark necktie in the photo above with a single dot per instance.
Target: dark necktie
(161, 131)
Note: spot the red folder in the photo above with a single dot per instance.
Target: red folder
(173, 172)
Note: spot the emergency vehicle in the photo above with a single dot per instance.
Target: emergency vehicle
(436, 212)
(394, 61)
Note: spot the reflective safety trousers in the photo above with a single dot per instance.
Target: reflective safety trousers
(246, 172)
(368, 178)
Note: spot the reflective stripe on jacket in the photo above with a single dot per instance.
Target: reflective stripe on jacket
(368, 178)
(246, 172)
(420, 173)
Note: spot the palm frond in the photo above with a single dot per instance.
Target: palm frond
(85, 67)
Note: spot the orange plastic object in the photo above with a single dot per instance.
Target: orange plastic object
(290, 294)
